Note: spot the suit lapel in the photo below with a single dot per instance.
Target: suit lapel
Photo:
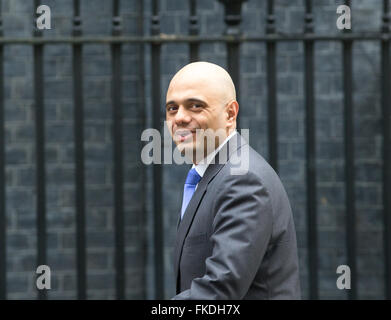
(213, 168)
(190, 211)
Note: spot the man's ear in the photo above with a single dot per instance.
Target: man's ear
(232, 110)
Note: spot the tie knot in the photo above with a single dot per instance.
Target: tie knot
(193, 177)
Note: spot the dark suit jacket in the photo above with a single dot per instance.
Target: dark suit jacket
(237, 237)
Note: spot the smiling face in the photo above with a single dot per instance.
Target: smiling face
(200, 96)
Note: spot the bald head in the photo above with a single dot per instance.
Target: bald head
(209, 77)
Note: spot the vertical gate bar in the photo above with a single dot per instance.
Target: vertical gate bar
(157, 169)
(233, 69)
(310, 154)
(193, 31)
(386, 114)
(232, 19)
(3, 247)
(143, 117)
(272, 88)
(349, 163)
(118, 155)
(79, 155)
(40, 152)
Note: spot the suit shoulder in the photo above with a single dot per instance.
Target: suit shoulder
(247, 161)
(247, 166)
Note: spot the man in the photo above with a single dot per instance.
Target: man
(236, 237)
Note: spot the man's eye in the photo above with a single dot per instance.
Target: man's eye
(171, 108)
(194, 105)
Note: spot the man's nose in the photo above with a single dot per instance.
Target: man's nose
(182, 116)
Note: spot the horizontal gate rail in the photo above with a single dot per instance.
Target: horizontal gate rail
(167, 38)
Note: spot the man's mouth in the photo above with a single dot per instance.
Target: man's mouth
(182, 135)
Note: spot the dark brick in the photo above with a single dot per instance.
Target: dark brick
(100, 239)
(249, 64)
(298, 150)
(296, 192)
(61, 261)
(59, 132)
(329, 216)
(331, 239)
(325, 171)
(14, 111)
(370, 242)
(17, 282)
(95, 174)
(17, 24)
(102, 196)
(53, 240)
(66, 198)
(18, 241)
(16, 155)
(28, 262)
(60, 175)
(26, 222)
(97, 218)
(58, 89)
(367, 194)
(367, 127)
(253, 86)
(284, 151)
(371, 288)
(15, 68)
(60, 218)
(68, 240)
(369, 219)
(97, 110)
(290, 129)
(368, 172)
(291, 170)
(367, 148)
(97, 260)
(10, 176)
(332, 195)
(69, 282)
(96, 67)
(100, 281)
(64, 111)
(51, 154)
(19, 198)
(96, 88)
(296, 63)
(98, 154)
(329, 150)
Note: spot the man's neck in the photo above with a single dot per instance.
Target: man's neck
(206, 159)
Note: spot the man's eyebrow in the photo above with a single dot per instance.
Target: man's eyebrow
(187, 100)
(195, 100)
(170, 102)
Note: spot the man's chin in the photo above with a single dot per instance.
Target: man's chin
(193, 155)
(187, 149)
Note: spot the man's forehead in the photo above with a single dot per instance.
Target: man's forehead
(179, 96)
(191, 88)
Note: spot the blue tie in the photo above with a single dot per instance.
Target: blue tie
(191, 181)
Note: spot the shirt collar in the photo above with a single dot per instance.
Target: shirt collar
(203, 165)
